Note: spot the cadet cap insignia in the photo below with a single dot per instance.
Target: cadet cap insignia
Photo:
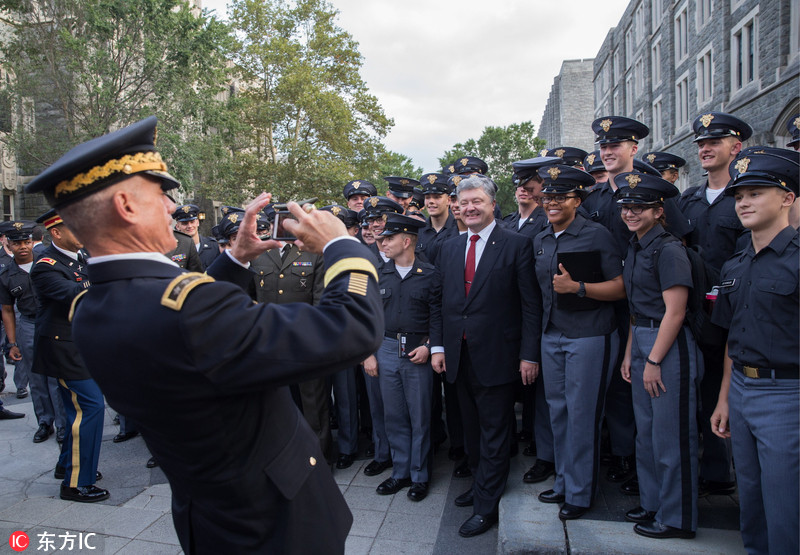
(741, 165)
(554, 172)
(651, 158)
(559, 152)
(451, 168)
(633, 180)
(404, 182)
(543, 152)
(18, 225)
(456, 180)
(706, 119)
(606, 124)
(464, 161)
(186, 209)
(431, 179)
(336, 210)
(374, 201)
(590, 159)
(234, 218)
(356, 184)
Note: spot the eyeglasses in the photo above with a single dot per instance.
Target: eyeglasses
(558, 199)
(634, 209)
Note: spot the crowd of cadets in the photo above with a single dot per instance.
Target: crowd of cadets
(610, 237)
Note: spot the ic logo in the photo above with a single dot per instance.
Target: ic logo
(18, 541)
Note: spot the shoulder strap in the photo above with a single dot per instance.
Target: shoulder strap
(180, 287)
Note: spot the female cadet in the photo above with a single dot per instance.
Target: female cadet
(661, 362)
(579, 273)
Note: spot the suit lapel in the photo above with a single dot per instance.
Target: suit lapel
(275, 255)
(490, 254)
(291, 256)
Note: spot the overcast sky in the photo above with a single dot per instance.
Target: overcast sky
(445, 69)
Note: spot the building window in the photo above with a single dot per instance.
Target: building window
(657, 9)
(705, 77)
(655, 62)
(658, 134)
(617, 106)
(638, 76)
(681, 34)
(744, 52)
(638, 23)
(682, 101)
(628, 47)
(617, 68)
(628, 94)
(794, 29)
(703, 12)
(8, 207)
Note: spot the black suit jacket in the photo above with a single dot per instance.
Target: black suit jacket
(200, 368)
(57, 279)
(208, 251)
(501, 317)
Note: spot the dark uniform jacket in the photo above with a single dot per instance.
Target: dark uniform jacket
(57, 280)
(185, 254)
(16, 289)
(208, 251)
(429, 241)
(714, 227)
(5, 258)
(501, 317)
(246, 471)
(534, 224)
(407, 301)
(295, 279)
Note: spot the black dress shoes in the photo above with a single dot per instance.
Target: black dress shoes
(710, 487)
(120, 437)
(539, 472)
(374, 468)
(60, 472)
(639, 515)
(390, 486)
(621, 469)
(571, 512)
(84, 494)
(550, 496)
(44, 432)
(477, 525)
(418, 491)
(462, 470)
(455, 453)
(22, 392)
(631, 487)
(151, 463)
(660, 531)
(6, 414)
(344, 461)
(465, 499)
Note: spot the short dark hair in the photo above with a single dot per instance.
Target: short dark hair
(37, 234)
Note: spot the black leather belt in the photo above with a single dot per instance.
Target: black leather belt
(644, 322)
(409, 336)
(756, 372)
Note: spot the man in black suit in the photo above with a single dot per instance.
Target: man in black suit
(486, 335)
(246, 472)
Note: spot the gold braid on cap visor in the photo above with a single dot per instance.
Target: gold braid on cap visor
(128, 164)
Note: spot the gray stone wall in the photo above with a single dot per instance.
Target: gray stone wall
(567, 116)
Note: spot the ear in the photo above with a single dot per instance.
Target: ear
(124, 205)
(634, 148)
(788, 198)
(737, 148)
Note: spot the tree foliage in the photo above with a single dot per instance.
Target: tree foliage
(499, 147)
(311, 122)
(81, 68)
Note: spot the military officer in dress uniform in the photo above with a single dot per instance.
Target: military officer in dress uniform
(758, 406)
(401, 190)
(19, 320)
(185, 254)
(250, 478)
(58, 277)
(715, 230)
(665, 162)
(408, 287)
(571, 155)
(187, 221)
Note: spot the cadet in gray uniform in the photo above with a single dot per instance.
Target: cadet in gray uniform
(661, 362)
(580, 339)
(758, 300)
(408, 287)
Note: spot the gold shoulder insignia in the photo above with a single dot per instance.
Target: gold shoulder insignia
(350, 265)
(180, 287)
(47, 260)
(75, 304)
(706, 119)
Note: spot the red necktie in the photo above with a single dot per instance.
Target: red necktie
(469, 269)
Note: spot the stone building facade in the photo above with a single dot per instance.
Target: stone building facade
(667, 62)
(568, 114)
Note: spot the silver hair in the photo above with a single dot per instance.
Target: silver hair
(478, 181)
(90, 215)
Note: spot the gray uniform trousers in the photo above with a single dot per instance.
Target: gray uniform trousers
(407, 389)
(666, 439)
(765, 434)
(47, 404)
(345, 392)
(542, 429)
(577, 372)
(375, 398)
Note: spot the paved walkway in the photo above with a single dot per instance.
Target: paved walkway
(136, 518)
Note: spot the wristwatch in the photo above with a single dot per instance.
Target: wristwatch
(581, 289)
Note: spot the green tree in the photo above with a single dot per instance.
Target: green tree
(311, 122)
(499, 147)
(82, 68)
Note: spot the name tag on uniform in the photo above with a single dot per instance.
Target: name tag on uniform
(302, 263)
(727, 283)
(17, 290)
(541, 252)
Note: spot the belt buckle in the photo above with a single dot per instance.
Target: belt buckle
(633, 320)
(750, 371)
